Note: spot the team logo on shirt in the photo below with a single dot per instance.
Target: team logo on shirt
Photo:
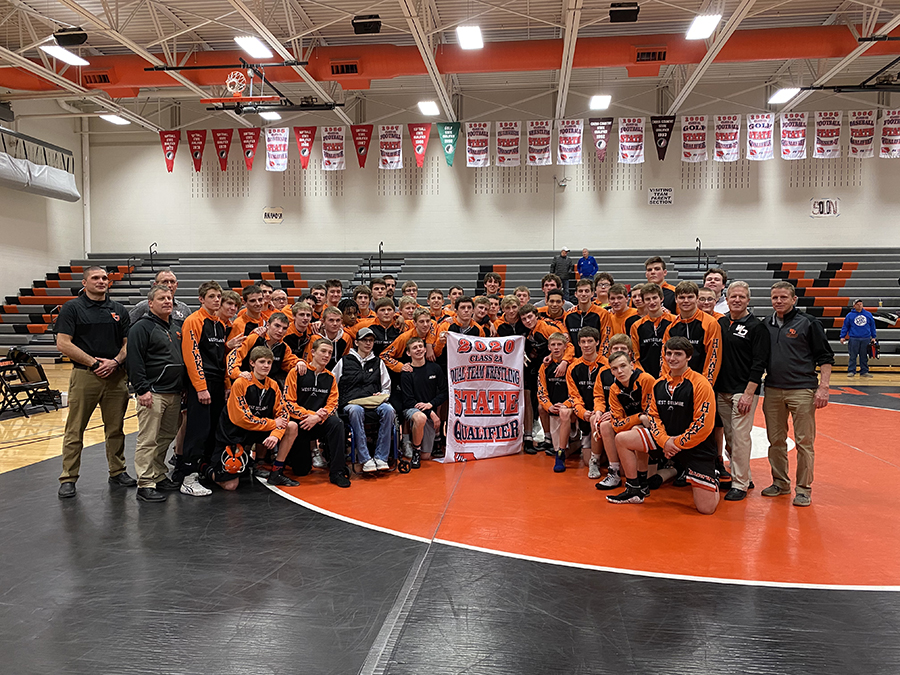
(114, 316)
(740, 331)
(792, 332)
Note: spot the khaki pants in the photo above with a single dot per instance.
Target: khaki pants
(800, 404)
(737, 436)
(86, 392)
(157, 428)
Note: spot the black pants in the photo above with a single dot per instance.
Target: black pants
(332, 433)
(202, 422)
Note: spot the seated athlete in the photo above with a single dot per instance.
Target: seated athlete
(492, 283)
(424, 389)
(601, 422)
(238, 360)
(580, 378)
(681, 414)
(553, 398)
(254, 414)
(312, 400)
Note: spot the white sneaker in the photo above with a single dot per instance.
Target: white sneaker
(370, 466)
(407, 448)
(381, 465)
(317, 459)
(191, 486)
(594, 468)
(611, 482)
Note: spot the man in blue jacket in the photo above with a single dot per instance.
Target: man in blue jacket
(587, 266)
(859, 329)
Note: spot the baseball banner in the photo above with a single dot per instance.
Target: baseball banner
(196, 143)
(793, 135)
(305, 137)
(568, 147)
(728, 138)
(600, 128)
(448, 132)
(419, 134)
(760, 131)
(828, 135)
(662, 127)
(390, 146)
(169, 141)
(487, 397)
(862, 133)
(507, 137)
(693, 138)
(333, 157)
(249, 140)
(890, 135)
(538, 139)
(362, 136)
(631, 140)
(478, 144)
(276, 149)
(222, 141)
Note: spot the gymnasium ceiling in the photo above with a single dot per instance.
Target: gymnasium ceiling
(564, 49)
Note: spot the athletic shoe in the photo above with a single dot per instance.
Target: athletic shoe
(407, 448)
(260, 472)
(735, 495)
(611, 482)
(416, 460)
(191, 486)
(122, 480)
(655, 482)
(751, 486)
(560, 465)
(173, 460)
(317, 460)
(545, 445)
(631, 495)
(851, 374)
(342, 480)
(369, 466)
(278, 478)
(381, 465)
(722, 474)
(528, 446)
(774, 491)
(801, 499)
(867, 375)
(548, 450)
(150, 495)
(166, 485)
(594, 468)
(66, 490)
(680, 479)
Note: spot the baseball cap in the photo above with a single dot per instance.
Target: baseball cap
(364, 333)
(565, 248)
(858, 300)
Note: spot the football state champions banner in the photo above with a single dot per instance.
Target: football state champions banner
(569, 143)
(538, 139)
(333, 156)
(600, 128)
(487, 397)
(448, 133)
(249, 141)
(793, 135)
(631, 140)
(222, 141)
(693, 138)
(169, 141)
(760, 131)
(390, 146)
(305, 137)
(362, 136)
(419, 133)
(890, 135)
(276, 149)
(478, 144)
(828, 135)
(196, 143)
(862, 133)
(728, 138)
(662, 127)
(508, 137)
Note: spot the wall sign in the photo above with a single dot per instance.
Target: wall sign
(661, 196)
(824, 208)
(273, 215)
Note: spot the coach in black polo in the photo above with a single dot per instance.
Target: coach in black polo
(91, 330)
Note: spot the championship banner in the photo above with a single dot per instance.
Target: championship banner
(419, 133)
(276, 149)
(600, 128)
(631, 140)
(760, 130)
(222, 141)
(196, 143)
(828, 135)
(333, 156)
(662, 126)
(728, 138)
(793, 135)
(862, 133)
(507, 137)
(693, 138)
(487, 398)
(448, 132)
(478, 143)
(362, 136)
(538, 139)
(249, 140)
(890, 135)
(169, 141)
(305, 137)
(568, 148)
(390, 146)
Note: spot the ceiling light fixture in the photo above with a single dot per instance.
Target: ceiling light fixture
(469, 37)
(703, 26)
(64, 54)
(783, 95)
(270, 116)
(600, 102)
(114, 119)
(429, 108)
(254, 47)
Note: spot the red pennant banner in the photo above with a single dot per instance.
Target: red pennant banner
(222, 141)
(169, 140)
(196, 142)
(419, 134)
(362, 136)
(249, 141)
(305, 137)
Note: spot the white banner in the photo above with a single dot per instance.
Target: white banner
(333, 157)
(276, 149)
(890, 135)
(760, 130)
(478, 144)
(508, 136)
(631, 140)
(390, 146)
(793, 135)
(487, 397)
(693, 138)
(862, 133)
(571, 135)
(828, 135)
(728, 138)
(539, 132)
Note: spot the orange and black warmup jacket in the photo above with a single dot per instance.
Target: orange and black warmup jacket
(537, 346)
(244, 325)
(203, 349)
(622, 323)
(647, 340)
(552, 389)
(299, 342)
(239, 359)
(506, 329)
(474, 330)
(394, 355)
(705, 336)
(684, 409)
(342, 346)
(558, 322)
(595, 317)
(310, 393)
(581, 377)
(602, 385)
(668, 296)
(253, 406)
(626, 404)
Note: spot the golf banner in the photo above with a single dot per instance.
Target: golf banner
(449, 133)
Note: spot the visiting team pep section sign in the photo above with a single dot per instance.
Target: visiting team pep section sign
(487, 397)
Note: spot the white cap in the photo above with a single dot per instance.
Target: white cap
(565, 248)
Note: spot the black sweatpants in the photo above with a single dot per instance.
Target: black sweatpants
(331, 433)
(202, 422)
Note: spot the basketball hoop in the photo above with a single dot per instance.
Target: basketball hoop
(235, 83)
